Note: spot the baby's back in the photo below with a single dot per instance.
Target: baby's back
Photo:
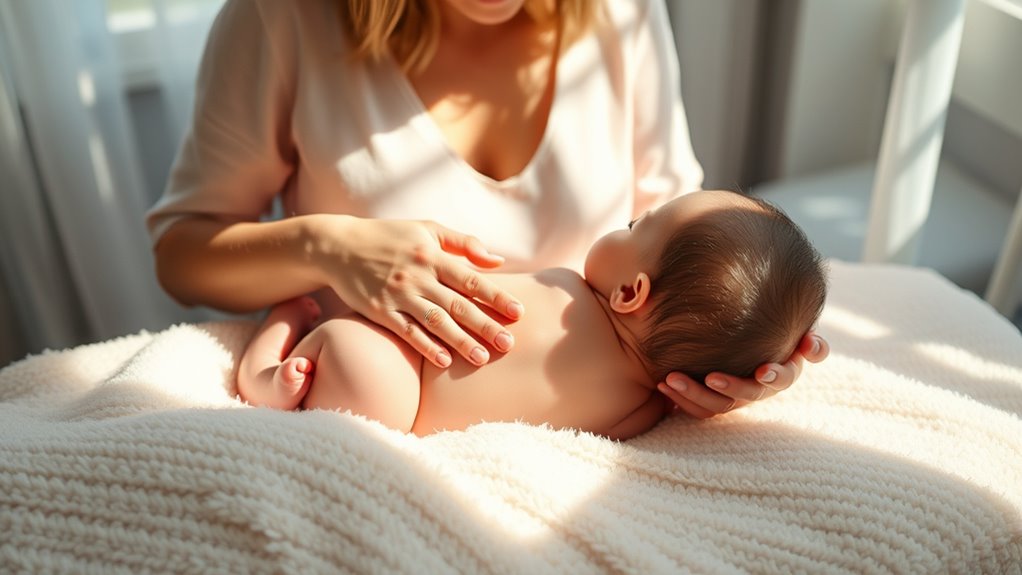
(567, 367)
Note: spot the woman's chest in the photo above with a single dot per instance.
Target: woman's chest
(491, 103)
(376, 151)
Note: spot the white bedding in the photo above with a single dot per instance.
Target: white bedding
(902, 452)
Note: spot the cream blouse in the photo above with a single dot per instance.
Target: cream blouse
(283, 109)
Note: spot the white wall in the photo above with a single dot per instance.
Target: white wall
(716, 49)
(843, 60)
(842, 64)
(989, 74)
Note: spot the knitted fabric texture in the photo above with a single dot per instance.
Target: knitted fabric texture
(902, 452)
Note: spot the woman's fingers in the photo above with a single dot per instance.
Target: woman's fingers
(683, 403)
(780, 376)
(476, 286)
(461, 324)
(814, 347)
(439, 322)
(466, 246)
(704, 401)
(696, 399)
(747, 389)
(724, 392)
(448, 308)
(433, 319)
(413, 333)
(769, 379)
(448, 305)
(442, 307)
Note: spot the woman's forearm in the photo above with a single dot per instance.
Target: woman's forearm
(239, 267)
(396, 273)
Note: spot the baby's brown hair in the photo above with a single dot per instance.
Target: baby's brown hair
(735, 288)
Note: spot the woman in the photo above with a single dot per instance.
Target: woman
(405, 139)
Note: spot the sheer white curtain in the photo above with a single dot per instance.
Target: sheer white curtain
(74, 254)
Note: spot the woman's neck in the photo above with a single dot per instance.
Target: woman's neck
(460, 30)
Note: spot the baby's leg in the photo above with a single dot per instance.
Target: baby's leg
(364, 368)
(269, 375)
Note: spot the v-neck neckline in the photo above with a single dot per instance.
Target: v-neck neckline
(427, 125)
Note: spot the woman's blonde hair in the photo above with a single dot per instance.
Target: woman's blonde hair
(410, 29)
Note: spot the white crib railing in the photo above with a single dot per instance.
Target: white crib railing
(912, 138)
(913, 130)
(1000, 293)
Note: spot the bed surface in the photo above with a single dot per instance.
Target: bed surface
(902, 452)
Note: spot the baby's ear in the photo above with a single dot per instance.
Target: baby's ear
(631, 297)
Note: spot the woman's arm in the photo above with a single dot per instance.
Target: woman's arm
(237, 267)
(403, 275)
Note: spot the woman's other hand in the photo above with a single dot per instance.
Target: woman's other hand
(411, 277)
(724, 392)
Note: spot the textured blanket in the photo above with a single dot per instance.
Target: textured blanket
(900, 453)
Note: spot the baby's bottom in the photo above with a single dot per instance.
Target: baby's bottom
(356, 365)
(365, 368)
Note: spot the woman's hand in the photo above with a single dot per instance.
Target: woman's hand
(723, 392)
(410, 277)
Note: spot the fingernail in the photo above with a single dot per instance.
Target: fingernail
(816, 346)
(677, 383)
(443, 358)
(716, 383)
(515, 309)
(478, 356)
(504, 341)
(768, 377)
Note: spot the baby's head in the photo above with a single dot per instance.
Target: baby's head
(722, 282)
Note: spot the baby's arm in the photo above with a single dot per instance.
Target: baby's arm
(267, 375)
(642, 419)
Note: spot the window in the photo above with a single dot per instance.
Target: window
(142, 27)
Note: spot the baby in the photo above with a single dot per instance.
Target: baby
(712, 280)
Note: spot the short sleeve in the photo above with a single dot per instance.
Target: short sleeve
(665, 163)
(237, 155)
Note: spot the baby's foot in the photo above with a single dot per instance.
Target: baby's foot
(291, 381)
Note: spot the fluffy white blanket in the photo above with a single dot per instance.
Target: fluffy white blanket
(902, 452)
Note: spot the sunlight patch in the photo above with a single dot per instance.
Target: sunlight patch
(853, 324)
(956, 357)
